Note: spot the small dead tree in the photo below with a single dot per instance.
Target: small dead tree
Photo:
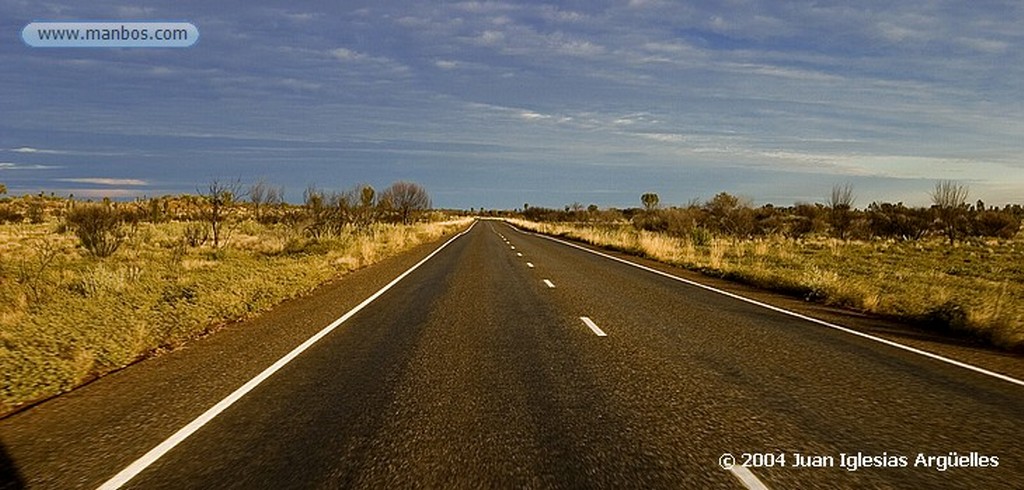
(220, 198)
(949, 200)
(840, 205)
(259, 195)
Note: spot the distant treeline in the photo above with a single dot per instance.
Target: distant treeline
(216, 208)
(949, 217)
(400, 202)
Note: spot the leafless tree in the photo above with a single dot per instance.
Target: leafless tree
(220, 197)
(263, 195)
(407, 199)
(258, 194)
(949, 200)
(841, 209)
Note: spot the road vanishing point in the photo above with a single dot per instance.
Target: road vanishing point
(498, 358)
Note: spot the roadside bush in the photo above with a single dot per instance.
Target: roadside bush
(996, 224)
(650, 221)
(99, 228)
(196, 234)
(36, 211)
(9, 215)
(700, 237)
(949, 316)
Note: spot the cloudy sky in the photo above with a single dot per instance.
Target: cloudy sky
(495, 104)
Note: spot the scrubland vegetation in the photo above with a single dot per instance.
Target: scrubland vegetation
(86, 288)
(953, 267)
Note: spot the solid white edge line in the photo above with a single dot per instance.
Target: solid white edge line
(593, 326)
(747, 477)
(125, 475)
(549, 283)
(850, 331)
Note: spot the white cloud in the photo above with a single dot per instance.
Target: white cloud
(645, 3)
(99, 193)
(413, 21)
(484, 7)
(981, 45)
(579, 48)
(534, 116)
(301, 16)
(554, 14)
(345, 54)
(134, 12)
(106, 181)
(490, 37)
(446, 64)
(25, 166)
(29, 149)
(296, 84)
(388, 65)
(665, 137)
(898, 34)
(784, 72)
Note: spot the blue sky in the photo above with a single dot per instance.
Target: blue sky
(496, 104)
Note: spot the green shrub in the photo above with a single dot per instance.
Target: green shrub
(99, 228)
(700, 237)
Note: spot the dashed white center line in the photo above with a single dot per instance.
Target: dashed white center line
(593, 326)
(529, 264)
(519, 254)
(549, 283)
(513, 247)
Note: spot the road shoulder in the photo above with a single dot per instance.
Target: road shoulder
(78, 439)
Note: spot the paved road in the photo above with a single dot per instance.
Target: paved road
(511, 360)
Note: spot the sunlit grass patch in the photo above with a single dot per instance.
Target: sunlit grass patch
(977, 289)
(66, 315)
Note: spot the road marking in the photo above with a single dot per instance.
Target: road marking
(593, 326)
(823, 323)
(125, 475)
(513, 247)
(549, 283)
(529, 264)
(519, 254)
(747, 477)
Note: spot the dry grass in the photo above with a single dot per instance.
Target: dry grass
(66, 316)
(973, 288)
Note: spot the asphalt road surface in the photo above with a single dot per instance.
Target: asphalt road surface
(509, 360)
